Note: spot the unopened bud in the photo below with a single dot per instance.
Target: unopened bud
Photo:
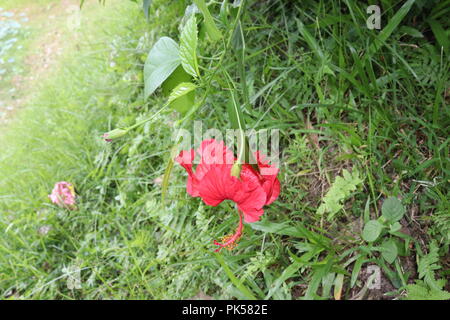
(114, 134)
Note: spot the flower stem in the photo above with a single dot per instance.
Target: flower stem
(148, 119)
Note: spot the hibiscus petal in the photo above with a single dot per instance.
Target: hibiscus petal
(251, 196)
(269, 173)
(217, 185)
(212, 179)
(251, 214)
(274, 191)
(185, 159)
(214, 152)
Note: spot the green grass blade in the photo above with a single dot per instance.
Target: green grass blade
(390, 27)
(237, 283)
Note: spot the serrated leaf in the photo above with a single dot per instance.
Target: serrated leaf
(184, 103)
(162, 60)
(372, 230)
(177, 77)
(389, 250)
(188, 47)
(420, 291)
(211, 28)
(181, 90)
(341, 189)
(392, 209)
(427, 266)
(428, 287)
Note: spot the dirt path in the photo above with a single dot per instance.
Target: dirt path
(48, 31)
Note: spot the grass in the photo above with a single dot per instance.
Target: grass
(344, 98)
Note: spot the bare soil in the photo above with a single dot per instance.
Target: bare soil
(51, 35)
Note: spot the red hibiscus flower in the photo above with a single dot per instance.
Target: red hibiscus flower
(213, 182)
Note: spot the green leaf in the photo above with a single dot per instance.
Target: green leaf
(389, 250)
(181, 90)
(237, 283)
(211, 28)
(392, 209)
(177, 77)
(165, 182)
(238, 37)
(162, 60)
(367, 210)
(440, 34)
(390, 27)
(310, 40)
(356, 269)
(288, 272)
(168, 171)
(428, 287)
(297, 231)
(428, 264)
(278, 228)
(411, 32)
(327, 284)
(182, 97)
(340, 190)
(420, 291)
(395, 227)
(372, 230)
(182, 104)
(338, 285)
(188, 47)
(235, 113)
(238, 122)
(316, 278)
